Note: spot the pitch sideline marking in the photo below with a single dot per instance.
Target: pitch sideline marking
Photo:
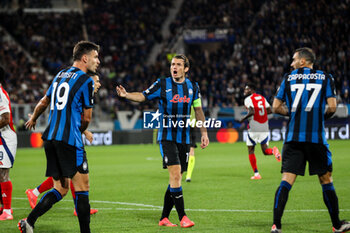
(157, 208)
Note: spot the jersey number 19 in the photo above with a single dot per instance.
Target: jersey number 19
(61, 95)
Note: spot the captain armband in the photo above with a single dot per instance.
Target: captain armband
(197, 103)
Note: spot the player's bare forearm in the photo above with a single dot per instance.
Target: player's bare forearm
(4, 119)
(86, 118)
(200, 117)
(135, 96)
(331, 109)
(40, 107)
(279, 108)
(84, 125)
(38, 110)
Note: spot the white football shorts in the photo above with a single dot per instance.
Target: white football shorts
(257, 137)
(7, 155)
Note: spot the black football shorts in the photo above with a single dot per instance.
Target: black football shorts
(174, 153)
(64, 160)
(296, 154)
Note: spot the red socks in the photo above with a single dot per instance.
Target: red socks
(252, 160)
(72, 190)
(46, 185)
(6, 194)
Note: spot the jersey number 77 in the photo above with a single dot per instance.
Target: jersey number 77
(299, 88)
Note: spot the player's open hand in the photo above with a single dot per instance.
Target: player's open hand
(204, 141)
(121, 91)
(89, 136)
(30, 124)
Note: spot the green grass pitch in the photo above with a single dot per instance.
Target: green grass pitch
(128, 184)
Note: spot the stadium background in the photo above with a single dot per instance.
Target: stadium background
(229, 42)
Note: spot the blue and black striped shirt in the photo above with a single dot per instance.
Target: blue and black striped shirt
(175, 100)
(305, 92)
(70, 92)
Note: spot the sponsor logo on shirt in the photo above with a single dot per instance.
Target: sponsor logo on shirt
(178, 99)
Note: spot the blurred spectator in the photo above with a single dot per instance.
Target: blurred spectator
(4, 4)
(36, 3)
(345, 98)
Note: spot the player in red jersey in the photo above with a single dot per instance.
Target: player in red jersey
(258, 127)
(8, 147)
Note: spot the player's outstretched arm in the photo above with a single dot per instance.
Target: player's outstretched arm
(200, 117)
(38, 110)
(133, 96)
(279, 108)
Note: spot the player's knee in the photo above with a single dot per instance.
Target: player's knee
(175, 177)
(82, 186)
(4, 179)
(4, 175)
(63, 191)
(86, 186)
(326, 178)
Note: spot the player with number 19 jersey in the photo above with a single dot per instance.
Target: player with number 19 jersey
(71, 87)
(258, 123)
(305, 92)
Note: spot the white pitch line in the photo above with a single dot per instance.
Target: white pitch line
(105, 202)
(126, 203)
(157, 208)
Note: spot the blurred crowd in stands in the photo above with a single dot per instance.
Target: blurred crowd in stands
(5, 4)
(262, 36)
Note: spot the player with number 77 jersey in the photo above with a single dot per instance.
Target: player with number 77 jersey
(305, 91)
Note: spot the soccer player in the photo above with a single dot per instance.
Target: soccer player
(193, 145)
(176, 95)
(70, 97)
(8, 147)
(258, 128)
(306, 92)
(33, 194)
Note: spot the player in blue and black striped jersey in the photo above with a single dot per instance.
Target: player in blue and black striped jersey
(306, 92)
(70, 97)
(175, 95)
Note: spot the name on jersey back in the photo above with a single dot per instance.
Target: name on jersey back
(306, 76)
(67, 75)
